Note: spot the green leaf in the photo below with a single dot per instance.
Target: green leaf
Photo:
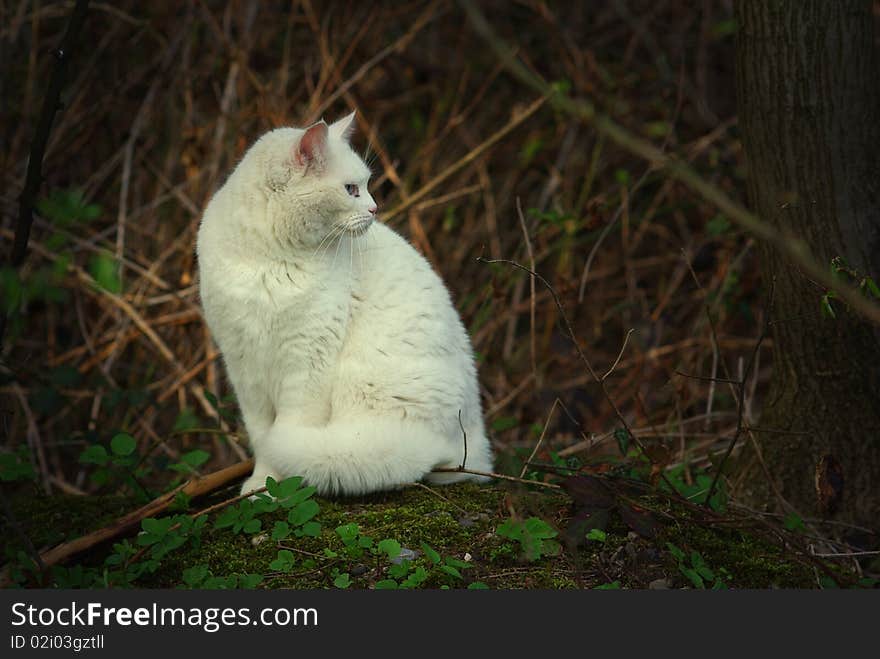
(561, 86)
(416, 579)
(477, 585)
(432, 555)
(657, 128)
(454, 562)
(65, 376)
(342, 581)
(675, 551)
(386, 584)
(511, 528)
(705, 572)
(212, 399)
(347, 532)
(252, 526)
(623, 439)
(194, 576)
(827, 583)
(303, 512)
(11, 289)
(718, 225)
(614, 585)
(227, 518)
(65, 207)
(272, 487)
(156, 527)
(186, 420)
(289, 485)
(695, 578)
(827, 309)
(389, 547)
(249, 581)
(597, 535)
(538, 528)
(311, 529)
(181, 501)
(195, 458)
(294, 499)
(452, 571)
(280, 531)
(504, 423)
(95, 454)
(283, 562)
(123, 444)
(104, 270)
(16, 466)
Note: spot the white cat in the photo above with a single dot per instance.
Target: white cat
(350, 364)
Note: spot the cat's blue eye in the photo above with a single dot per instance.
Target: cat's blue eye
(352, 189)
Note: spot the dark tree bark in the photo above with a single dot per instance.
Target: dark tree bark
(809, 112)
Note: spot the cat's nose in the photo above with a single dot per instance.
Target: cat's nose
(373, 210)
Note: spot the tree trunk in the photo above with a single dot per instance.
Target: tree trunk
(809, 112)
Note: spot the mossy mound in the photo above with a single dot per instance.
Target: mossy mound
(460, 523)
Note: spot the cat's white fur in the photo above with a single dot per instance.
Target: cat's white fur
(350, 363)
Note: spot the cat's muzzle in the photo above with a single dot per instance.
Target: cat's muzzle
(359, 226)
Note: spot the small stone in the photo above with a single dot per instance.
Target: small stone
(658, 584)
(358, 570)
(259, 539)
(405, 555)
(467, 557)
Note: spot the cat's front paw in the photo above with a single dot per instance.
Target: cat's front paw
(257, 480)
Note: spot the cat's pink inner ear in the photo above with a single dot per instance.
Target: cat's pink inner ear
(312, 145)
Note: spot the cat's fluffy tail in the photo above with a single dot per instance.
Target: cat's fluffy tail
(347, 457)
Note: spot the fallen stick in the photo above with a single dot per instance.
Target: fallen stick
(193, 488)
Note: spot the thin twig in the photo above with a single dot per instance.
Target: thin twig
(619, 354)
(437, 494)
(464, 440)
(490, 474)
(528, 462)
(705, 378)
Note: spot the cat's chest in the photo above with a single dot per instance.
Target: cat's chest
(284, 320)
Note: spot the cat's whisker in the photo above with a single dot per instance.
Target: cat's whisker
(336, 254)
(336, 229)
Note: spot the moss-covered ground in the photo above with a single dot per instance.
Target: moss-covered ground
(458, 522)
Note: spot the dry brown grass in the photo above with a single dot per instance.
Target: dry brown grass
(165, 97)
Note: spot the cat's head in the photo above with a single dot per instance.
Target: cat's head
(315, 185)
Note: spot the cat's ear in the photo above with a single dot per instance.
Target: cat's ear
(312, 146)
(344, 128)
